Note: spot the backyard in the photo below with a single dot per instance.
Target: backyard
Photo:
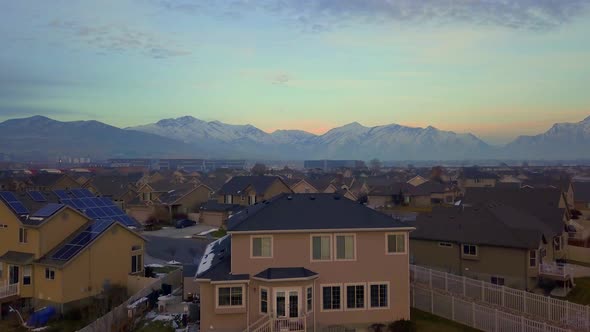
(426, 322)
(581, 293)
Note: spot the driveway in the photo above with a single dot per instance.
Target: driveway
(179, 233)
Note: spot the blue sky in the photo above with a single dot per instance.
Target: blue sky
(493, 68)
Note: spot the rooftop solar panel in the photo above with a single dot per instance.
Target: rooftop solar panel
(70, 249)
(62, 194)
(37, 196)
(81, 193)
(14, 203)
(48, 210)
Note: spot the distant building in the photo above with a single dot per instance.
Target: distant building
(204, 165)
(327, 165)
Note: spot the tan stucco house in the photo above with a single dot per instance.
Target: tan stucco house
(305, 261)
(249, 190)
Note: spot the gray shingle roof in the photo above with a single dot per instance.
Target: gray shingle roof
(17, 257)
(238, 184)
(309, 212)
(215, 265)
(582, 191)
(494, 225)
(285, 273)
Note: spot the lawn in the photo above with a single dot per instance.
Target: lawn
(581, 293)
(219, 233)
(426, 322)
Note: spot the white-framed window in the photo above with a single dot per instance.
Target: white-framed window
(497, 280)
(23, 235)
(264, 294)
(49, 274)
(379, 295)
(230, 296)
(331, 297)
(321, 247)
(445, 244)
(27, 275)
(345, 247)
(136, 263)
(355, 296)
(395, 243)
(228, 199)
(309, 299)
(469, 250)
(532, 258)
(261, 246)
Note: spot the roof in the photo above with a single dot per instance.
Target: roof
(282, 273)
(189, 270)
(174, 195)
(475, 173)
(494, 225)
(46, 179)
(237, 184)
(213, 205)
(17, 257)
(215, 265)
(582, 191)
(112, 185)
(292, 212)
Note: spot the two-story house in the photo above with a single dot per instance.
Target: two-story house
(249, 190)
(56, 255)
(305, 261)
(496, 243)
(472, 177)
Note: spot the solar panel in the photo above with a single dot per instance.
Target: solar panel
(62, 194)
(79, 242)
(48, 210)
(37, 196)
(81, 193)
(14, 203)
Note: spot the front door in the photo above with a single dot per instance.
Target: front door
(287, 303)
(13, 275)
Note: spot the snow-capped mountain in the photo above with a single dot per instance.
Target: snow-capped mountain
(561, 141)
(350, 141)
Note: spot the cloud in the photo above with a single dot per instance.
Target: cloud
(321, 15)
(279, 79)
(111, 38)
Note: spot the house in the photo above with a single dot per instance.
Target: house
(582, 198)
(472, 177)
(248, 190)
(425, 195)
(562, 183)
(496, 243)
(417, 180)
(52, 181)
(216, 214)
(58, 256)
(305, 261)
(301, 186)
(119, 188)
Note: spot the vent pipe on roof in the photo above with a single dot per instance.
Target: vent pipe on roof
(289, 197)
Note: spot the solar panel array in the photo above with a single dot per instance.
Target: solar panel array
(14, 203)
(62, 194)
(74, 246)
(48, 210)
(100, 208)
(37, 196)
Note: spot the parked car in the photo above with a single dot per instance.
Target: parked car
(185, 223)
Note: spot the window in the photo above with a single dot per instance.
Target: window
(261, 247)
(309, 299)
(136, 263)
(379, 296)
(497, 281)
(49, 274)
(355, 297)
(251, 199)
(469, 250)
(23, 235)
(331, 297)
(27, 271)
(557, 243)
(345, 247)
(321, 247)
(229, 296)
(532, 258)
(263, 300)
(228, 199)
(445, 244)
(396, 243)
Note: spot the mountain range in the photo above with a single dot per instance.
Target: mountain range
(38, 136)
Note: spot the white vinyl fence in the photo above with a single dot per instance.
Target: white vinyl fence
(474, 315)
(539, 307)
(119, 316)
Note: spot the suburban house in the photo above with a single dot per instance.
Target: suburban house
(562, 183)
(52, 181)
(216, 214)
(302, 262)
(472, 177)
(52, 254)
(496, 243)
(425, 195)
(582, 198)
(249, 190)
(119, 188)
(301, 186)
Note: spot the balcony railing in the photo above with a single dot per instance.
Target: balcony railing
(268, 324)
(560, 270)
(8, 291)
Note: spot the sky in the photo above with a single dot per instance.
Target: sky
(497, 69)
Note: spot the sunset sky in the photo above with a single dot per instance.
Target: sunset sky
(494, 68)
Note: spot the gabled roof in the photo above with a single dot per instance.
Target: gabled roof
(213, 205)
(582, 191)
(17, 257)
(302, 212)
(112, 185)
(174, 195)
(215, 265)
(46, 179)
(494, 225)
(237, 184)
(475, 173)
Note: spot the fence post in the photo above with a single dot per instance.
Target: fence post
(413, 297)
(496, 320)
(522, 324)
(567, 310)
(446, 282)
(544, 327)
(473, 315)
(453, 307)
(431, 301)
(430, 278)
(464, 287)
(503, 296)
(483, 295)
(524, 302)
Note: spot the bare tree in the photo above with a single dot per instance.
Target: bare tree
(375, 165)
(258, 169)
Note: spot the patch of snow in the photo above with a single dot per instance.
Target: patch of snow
(208, 232)
(208, 256)
(173, 262)
(155, 265)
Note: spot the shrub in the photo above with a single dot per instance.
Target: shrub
(402, 326)
(377, 327)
